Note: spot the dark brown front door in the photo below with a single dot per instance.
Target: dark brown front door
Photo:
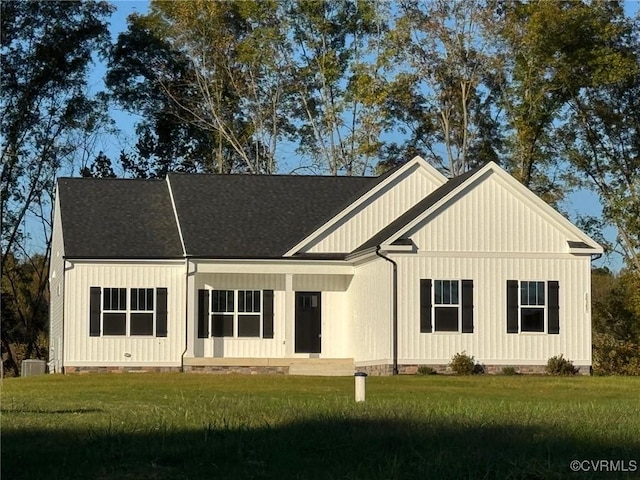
(308, 322)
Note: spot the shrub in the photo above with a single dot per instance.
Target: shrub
(559, 365)
(615, 357)
(509, 371)
(425, 370)
(462, 364)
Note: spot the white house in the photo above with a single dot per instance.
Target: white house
(311, 274)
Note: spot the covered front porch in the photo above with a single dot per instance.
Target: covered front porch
(285, 316)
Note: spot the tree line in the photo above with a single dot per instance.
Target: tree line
(550, 90)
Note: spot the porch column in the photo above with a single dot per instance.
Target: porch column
(289, 315)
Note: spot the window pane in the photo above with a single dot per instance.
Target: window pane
(222, 325)
(533, 294)
(532, 320)
(134, 298)
(248, 325)
(142, 324)
(446, 292)
(230, 305)
(241, 300)
(446, 319)
(114, 324)
(524, 293)
(438, 292)
(540, 296)
(256, 301)
(454, 292)
(122, 304)
(106, 299)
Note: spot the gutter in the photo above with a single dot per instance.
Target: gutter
(395, 309)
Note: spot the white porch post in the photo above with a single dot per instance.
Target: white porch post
(289, 315)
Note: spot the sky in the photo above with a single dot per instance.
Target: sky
(578, 203)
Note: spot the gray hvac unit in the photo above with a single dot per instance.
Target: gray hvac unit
(33, 367)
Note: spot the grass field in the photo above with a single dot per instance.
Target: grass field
(179, 426)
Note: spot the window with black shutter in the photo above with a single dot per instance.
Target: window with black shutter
(533, 306)
(446, 306)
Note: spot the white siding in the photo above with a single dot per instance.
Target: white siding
(83, 350)
(56, 290)
(370, 312)
(490, 343)
(368, 219)
(490, 217)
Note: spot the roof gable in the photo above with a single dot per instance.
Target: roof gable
(508, 192)
(395, 192)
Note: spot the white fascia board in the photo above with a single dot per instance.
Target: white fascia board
(422, 164)
(518, 189)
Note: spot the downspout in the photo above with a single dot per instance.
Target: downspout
(394, 293)
(186, 312)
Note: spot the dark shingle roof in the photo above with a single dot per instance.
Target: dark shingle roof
(250, 216)
(415, 211)
(573, 244)
(117, 218)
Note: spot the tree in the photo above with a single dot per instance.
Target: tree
(46, 51)
(553, 51)
(443, 89)
(211, 72)
(337, 82)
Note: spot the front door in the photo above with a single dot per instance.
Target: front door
(308, 322)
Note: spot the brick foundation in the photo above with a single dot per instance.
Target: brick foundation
(132, 369)
(384, 370)
(373, 370)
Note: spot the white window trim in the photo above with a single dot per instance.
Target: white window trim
(544, 308)
(457, 305)
(236, 313)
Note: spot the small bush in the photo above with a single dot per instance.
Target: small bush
(425, 370)
(509, 371)
(462, 364)
(559, 365)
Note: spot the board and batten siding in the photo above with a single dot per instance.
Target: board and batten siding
(364, 222)
(56, 291)
(370, 312)
(490, 343)
(81, 349)
(490, 216)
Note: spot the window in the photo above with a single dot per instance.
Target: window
(133, 311)
(249, 309)
(533, 307)
(222, 312)
(142, 311)
(114, 311)
(532, 311)
(446, 305)
(236, 313)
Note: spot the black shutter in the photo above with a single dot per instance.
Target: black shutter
(467, 306)
(161, 312)
(267, 314)
(554, 307)
(512, 306)
(425, 305)
(203, 313)
(94, 311)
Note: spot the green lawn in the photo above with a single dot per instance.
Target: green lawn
(181, 426)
